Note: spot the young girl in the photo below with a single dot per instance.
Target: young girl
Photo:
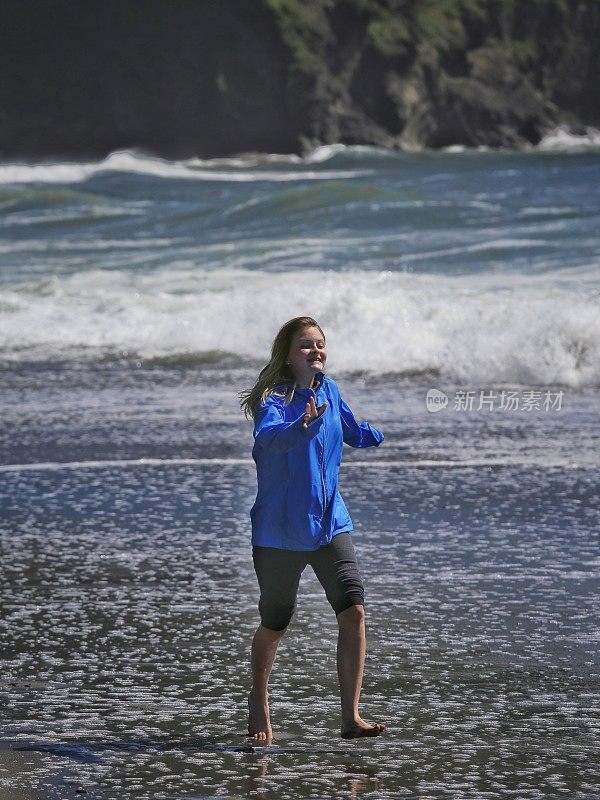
(299, 517)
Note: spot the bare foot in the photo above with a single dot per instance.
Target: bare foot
(259, 725)
(358, 727)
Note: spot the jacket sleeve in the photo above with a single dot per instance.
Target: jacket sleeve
(274, 434)
(355, 434)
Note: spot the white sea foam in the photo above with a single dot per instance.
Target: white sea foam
(456, 148)
(128, 463)
(327, 152)
(246, 160)
(494, 327)
(248, 167)
(190, 169)
(562, 139)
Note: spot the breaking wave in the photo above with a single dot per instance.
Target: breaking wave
(487, 328)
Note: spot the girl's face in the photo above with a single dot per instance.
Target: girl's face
(307, 354)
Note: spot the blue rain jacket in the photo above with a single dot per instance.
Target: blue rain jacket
(298, 505)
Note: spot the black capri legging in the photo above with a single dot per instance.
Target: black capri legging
(278, 572)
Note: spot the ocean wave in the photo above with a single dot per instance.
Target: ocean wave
(230, 170)
(342, 161)
(482, 328)
(325, 162)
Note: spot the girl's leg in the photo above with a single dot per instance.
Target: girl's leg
(278, 573)
(336, 568)
(351, 649)
(264, 650)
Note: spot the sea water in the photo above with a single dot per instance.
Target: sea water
(137, 298)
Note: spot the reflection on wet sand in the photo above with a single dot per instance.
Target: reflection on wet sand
(358, 781)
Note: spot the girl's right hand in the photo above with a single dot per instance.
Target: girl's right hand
(312, 412)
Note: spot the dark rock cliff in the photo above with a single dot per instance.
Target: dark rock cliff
(215, 77)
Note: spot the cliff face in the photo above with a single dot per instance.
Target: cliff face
(215, 77)
(440, 72)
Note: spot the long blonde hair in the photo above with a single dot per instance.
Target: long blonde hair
(277, 370)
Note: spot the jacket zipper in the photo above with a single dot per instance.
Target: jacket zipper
(323, 469)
